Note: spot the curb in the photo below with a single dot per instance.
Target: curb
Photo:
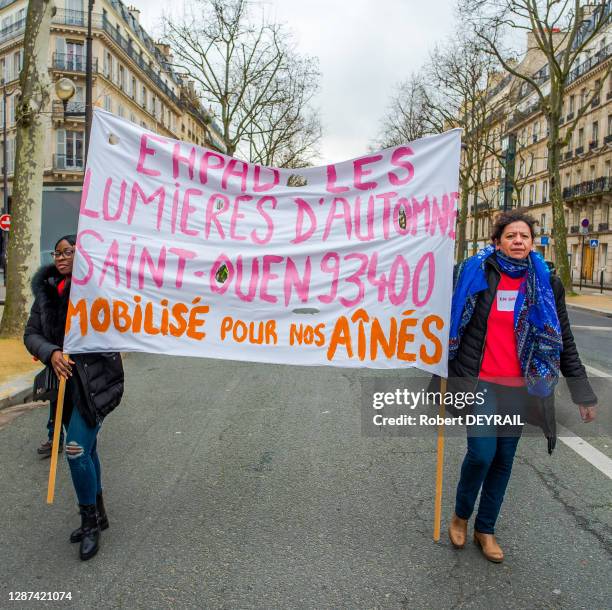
(17, 391)
(596, 312)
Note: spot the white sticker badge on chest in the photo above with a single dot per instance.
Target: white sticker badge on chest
(506, 300)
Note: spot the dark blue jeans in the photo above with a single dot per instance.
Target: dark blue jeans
(51, 422)
(490, 453)
(82, 455)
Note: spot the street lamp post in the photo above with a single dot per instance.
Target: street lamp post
(65, 90)
(88, 79)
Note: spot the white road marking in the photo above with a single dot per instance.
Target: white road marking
(608, 328)
(591, 370)
(585, 450)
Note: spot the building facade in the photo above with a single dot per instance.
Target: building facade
(132, 77)
(586, 169)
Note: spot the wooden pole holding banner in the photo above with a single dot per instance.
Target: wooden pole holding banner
(439, 468)
(56, 436)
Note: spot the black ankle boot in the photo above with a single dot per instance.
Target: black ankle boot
(77, 535)
(91, 531)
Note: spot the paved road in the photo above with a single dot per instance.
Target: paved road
(236, 485)
(593, 334)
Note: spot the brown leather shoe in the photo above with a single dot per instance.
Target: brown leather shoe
(45, 449)
(489, 547)
(457, 531)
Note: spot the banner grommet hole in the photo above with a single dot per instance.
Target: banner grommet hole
(113, 139)
(295, 180)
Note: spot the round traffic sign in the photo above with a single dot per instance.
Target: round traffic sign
(5, 222)
(585, 222)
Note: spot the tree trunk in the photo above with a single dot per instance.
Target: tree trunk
(475, 228)
(23, 254)
(556, 198)
(463, 214)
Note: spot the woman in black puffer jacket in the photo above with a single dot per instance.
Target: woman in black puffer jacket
(510, 338)
(94, 387)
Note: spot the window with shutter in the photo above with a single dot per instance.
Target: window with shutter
(10, 154)
(16, 64)
(60, 149)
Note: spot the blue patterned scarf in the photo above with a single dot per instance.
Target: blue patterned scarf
(538, 332)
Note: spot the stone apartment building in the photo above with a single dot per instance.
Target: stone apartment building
(586, 169)
(132, 77)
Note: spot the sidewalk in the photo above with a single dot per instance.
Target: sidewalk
(16, 391)
(590, 299)
(17, 367)
(17, 371)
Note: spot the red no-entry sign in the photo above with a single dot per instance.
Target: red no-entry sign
(5, 222)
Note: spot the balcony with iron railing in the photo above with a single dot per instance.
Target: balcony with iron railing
(543, 74)
(99, 22)
(579, 150)
(129, 50)
(68, 163)
(12, 31)
(481, 206)
(73, 17)
(193, 108)
(603, 184)
(603, 226)
(521, 115)
(589, 64)
(205, 117)
(79, 18)
(73, 63)
(608, 138)
(71, 107)
(141, 35)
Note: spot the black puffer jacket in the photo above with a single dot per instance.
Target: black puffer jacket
(100, 374)
(471, 349)
(464, 369)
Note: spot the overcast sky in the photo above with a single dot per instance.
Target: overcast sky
(364, 47)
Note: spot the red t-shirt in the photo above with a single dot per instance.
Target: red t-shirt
(500, 363)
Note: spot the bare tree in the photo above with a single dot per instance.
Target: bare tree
(518, 172)
(405, 119)
(558, 31)
(23, 256)
(286, 133)
(243, 68)
(459, 95)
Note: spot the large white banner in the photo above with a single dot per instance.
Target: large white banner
(184, 251)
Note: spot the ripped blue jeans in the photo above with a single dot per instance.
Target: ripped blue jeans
(82, 455)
